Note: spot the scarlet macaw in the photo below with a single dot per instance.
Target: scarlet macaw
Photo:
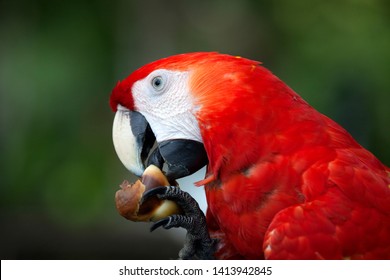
(283, 181)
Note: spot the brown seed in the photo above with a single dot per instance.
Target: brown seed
(128, 198)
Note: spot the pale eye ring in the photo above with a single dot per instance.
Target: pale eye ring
(158, 83)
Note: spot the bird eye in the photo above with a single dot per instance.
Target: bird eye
(158, 83)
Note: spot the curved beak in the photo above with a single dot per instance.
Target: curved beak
(134, 139)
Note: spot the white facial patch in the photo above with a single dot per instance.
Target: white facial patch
(164, 98)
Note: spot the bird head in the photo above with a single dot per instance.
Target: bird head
(176, 112)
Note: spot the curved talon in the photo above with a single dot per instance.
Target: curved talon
(198, 244)
(153, 192)
(160, 223)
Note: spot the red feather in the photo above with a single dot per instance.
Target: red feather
(284, 181)
(287, 179)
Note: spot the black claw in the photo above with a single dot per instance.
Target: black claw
(153, 192)
(198, 242)
(160, 223)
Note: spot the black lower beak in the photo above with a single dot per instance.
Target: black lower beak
(182, 157)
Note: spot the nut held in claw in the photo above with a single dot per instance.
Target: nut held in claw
(128, 198)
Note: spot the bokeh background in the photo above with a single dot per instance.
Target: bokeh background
(59, 61)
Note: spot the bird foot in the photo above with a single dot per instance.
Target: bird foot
(198, 244)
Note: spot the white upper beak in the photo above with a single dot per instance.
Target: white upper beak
(125, 142)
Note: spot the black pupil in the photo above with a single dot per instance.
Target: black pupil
(157, 82)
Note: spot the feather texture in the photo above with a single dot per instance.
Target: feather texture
(287, 179)
(283, 180)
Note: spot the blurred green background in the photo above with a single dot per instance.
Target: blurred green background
(59, 61)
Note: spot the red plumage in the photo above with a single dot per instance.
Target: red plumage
(283, 181)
